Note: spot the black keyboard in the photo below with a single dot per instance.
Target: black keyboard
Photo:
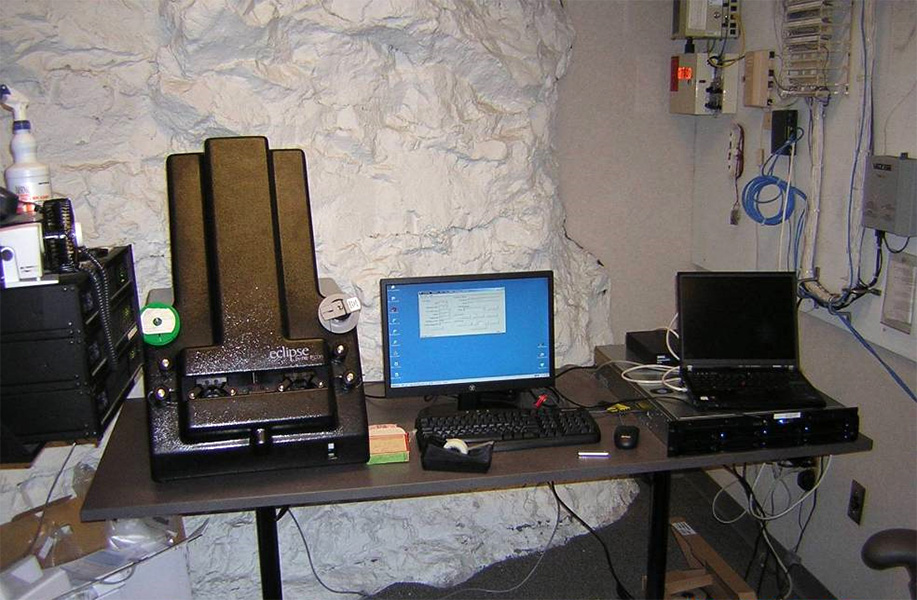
(509, 429)
(752, 390)
(730, 380)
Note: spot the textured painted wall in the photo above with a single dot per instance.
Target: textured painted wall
(364, 547)
(427, 127)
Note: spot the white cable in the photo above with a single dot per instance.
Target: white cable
(772, 517)
(664, 379)
(626, 373)
(41, 519)
(778, 482)
(763, 518)
(813, 206)
(667, 381)
(891, 112)
(670, 331)
(864, 133)
(808, 271)
(716, 498)
(786, 202)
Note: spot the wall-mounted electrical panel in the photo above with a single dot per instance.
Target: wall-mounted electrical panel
(815, 47)
(890, 195)
(758, 80)
(715, 19)
(697, 87)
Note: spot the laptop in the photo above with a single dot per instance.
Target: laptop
(739, 346)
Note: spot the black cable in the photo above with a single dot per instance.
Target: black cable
(901, 249)
(862, 288)
(808, 520)
(805, 526)
(760, 583)
(574, 368)
(305, 544)
(561, 396)
(569, 400)
(99, 280)
(880, 238)
(754, 557)
(622, 592)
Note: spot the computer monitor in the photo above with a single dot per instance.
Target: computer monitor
(476, 336)
(737, 318)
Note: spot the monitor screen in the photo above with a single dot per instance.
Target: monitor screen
(737, 318)
(467, 334)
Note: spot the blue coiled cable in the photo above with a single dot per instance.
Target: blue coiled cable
(751, 194)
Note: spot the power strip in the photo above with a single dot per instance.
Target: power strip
(735, 154)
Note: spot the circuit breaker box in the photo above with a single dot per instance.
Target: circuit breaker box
(714, 19)
(890, 195)
(697, 87)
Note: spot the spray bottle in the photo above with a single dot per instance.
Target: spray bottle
(26, 177)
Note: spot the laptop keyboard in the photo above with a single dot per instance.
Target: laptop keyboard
(752, 389)
(737, 380)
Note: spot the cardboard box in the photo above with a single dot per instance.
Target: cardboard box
(388, 444)
(700, 556)
(75, 538)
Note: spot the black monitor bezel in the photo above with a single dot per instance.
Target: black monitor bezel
(785, 280)
(506, 385)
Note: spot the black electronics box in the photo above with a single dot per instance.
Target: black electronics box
(253, 381)
(686, 431)
(59, 383)
(648, 348)
(783, 127)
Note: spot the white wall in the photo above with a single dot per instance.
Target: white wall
(832, 358)
(719, 245)
(626, 166)
(649, 194)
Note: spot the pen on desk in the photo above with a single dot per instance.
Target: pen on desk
(603, 454)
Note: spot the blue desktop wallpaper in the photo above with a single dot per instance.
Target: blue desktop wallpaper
(468, 331)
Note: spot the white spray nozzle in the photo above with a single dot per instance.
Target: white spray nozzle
(12, 100)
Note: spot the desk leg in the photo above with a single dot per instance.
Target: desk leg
(659, 535)
(269, 553)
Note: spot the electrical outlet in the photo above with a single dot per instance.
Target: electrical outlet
(856, 502)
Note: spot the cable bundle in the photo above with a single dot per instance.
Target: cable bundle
(751, 198)
(751, 193)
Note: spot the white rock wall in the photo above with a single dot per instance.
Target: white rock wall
(364, 547)
(427, 127)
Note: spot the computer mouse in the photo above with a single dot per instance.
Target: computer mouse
(626, 436)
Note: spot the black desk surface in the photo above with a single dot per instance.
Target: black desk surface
(123, 488)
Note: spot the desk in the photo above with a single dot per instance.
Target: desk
(123, 488)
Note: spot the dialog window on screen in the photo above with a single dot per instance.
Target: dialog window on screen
(468, 331)
(468, 312)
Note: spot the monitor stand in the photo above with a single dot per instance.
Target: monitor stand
(496, 399)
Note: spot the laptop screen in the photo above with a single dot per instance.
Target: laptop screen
(737, 318)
